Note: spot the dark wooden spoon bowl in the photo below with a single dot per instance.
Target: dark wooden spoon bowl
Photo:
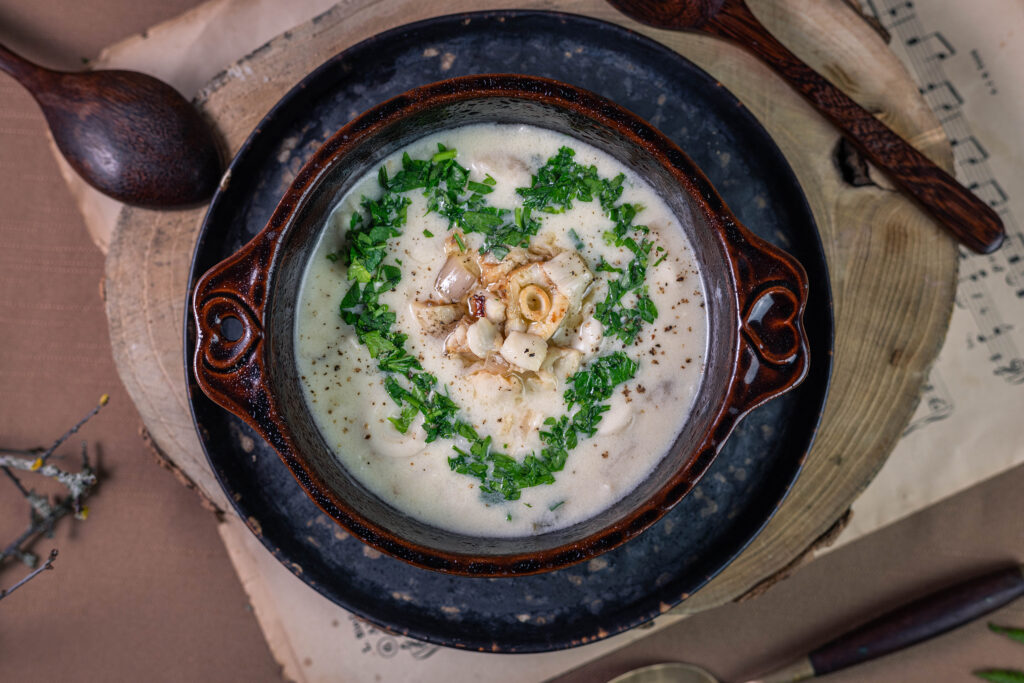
(969, 219)
(127, 134)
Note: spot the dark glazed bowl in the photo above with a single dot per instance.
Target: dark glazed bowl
(755, 295)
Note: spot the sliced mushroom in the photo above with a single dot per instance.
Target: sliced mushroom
(570, 274)
(486, 383)
(538, 288)
(516, 324)
(482, 337)
(456, 341)
(545, 245)
(494, 271)
(436, 319)
(524, 350)
(561, 362)
(588, 338)
(455, 279)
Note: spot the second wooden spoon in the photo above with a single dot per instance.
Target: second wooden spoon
(970, 220)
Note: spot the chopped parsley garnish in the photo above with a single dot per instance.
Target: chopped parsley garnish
(556, 185)
(587, 390)
(561, 180)
(450, 193)
(618, 319)
(416, 392)
(576, 241)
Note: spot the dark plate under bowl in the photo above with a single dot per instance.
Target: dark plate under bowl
(275, 118)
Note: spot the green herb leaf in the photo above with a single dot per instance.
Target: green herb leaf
(1001, 675)
(443, 155)
(576, 241)
(480, 188)
(1008, 631)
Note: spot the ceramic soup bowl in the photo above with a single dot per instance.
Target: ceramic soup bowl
(755, 298)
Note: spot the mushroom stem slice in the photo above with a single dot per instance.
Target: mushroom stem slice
(524, 350)
(534, 302)
(482, 337)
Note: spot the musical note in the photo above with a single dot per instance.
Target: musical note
(969, 151)
(990, 192)
(934, 45)
(894, 15)
(942, 96)
(986, 282)
(996, 331)
(936, 403)
(1013, 372)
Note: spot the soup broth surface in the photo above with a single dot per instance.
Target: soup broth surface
(544, 298)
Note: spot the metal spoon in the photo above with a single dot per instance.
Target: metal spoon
(127, 134)
(919, 620)
(970, 220)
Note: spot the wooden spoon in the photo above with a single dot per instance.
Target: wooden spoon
(127, 134)
(972, 221)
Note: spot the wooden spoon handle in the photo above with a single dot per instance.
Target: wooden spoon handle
(972, 221)
(24, 71)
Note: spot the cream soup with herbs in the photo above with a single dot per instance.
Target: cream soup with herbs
(501, 332)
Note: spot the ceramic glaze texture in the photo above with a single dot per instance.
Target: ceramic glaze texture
(628, 585)
(259, 285)
(351, 406)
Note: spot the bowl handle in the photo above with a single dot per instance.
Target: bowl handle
(772, 291)
(228, 309)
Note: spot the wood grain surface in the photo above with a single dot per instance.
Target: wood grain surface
(974, 223)
(893, 272)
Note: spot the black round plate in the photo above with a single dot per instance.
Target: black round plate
(744, 486)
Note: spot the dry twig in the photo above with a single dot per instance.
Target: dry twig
(46, 511)
(4, 592)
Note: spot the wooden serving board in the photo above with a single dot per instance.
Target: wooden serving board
(893, 272)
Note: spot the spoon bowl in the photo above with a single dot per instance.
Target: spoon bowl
(667, 672)
(129, 135)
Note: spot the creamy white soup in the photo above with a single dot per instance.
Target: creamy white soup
(522, 330)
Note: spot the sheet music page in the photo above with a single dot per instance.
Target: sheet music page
(969, 426)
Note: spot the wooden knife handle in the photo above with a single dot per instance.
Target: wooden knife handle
(919, 620)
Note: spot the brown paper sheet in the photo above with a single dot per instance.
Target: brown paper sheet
(315, 640)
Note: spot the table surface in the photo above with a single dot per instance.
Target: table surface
(144, 589)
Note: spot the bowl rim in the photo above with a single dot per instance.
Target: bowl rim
(750, 259)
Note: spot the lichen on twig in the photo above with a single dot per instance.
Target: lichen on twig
(44, 510)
